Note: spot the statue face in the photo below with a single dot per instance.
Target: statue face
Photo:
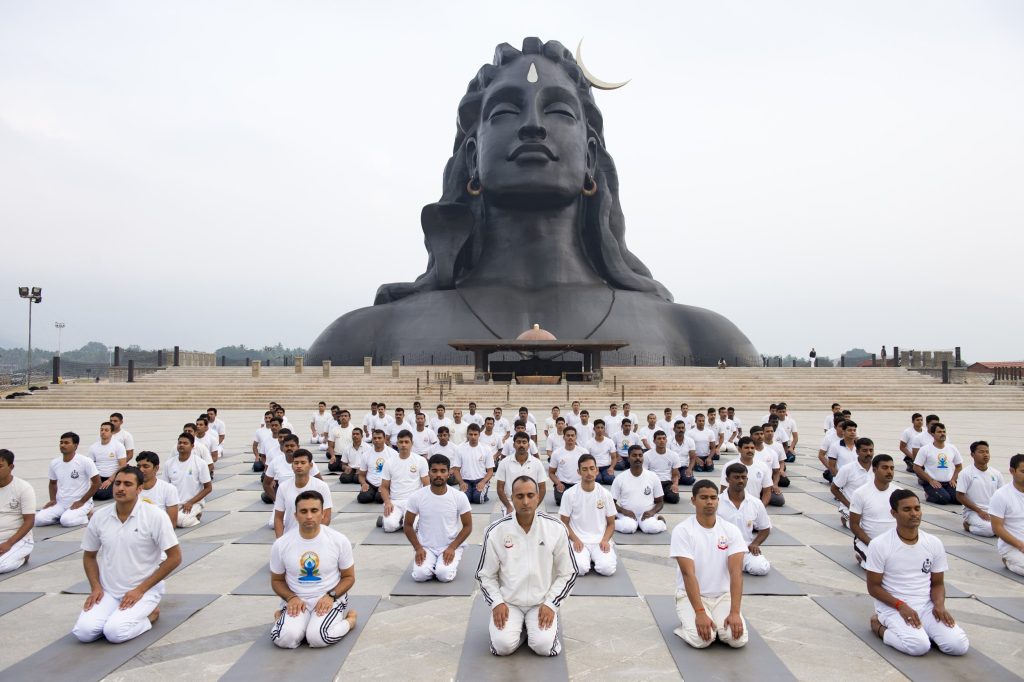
(532, 138)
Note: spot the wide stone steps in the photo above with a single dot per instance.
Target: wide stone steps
(645, 387)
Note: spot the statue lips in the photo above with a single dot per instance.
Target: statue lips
(532, 151)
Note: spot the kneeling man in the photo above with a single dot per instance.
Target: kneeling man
(747, 513)
(436, 536)
(639, 497)
(126, 580)
(312, 570)
(526, 570)
(402, 476)
(588, 512)
(709, 576)
(905, 569)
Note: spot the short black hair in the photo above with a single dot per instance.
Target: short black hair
(976, 444)
(879, 459)
(290, 438)
(900, 494)
(735, 468)
(524, 479)
(132, 471)
(187, 436)
(7, 456)
(302, 452)
(309, 495)
(701, 484)
(863, 443)
(439, 459)
(585, 458)
(148, 456)
(1016, 461)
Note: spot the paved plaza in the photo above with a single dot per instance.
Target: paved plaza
(421, 638)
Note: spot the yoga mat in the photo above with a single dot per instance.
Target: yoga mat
(191, 552)
(832, 521)
(336, 484)
(258, 506)
(855, 614)
(354, 507)
(986, 557)
(47, 532)
(755, 661)
(264, 535)
(955, 524)
(463, 585)
(15, 600)
(258, 584)
(478, 663)
(377, 536)
(252, 485)
(218, 493)
(67, 658)
(823, 496)
(641, 538)
(593, 584)
(43, 553)
(843, 555)
(208, 518)
(772, 584)
(780, 538)
(264, 661)
(686, 507)
(1011, 606)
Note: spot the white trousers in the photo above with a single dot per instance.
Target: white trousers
(756, 565)
(394, 521)
(604, 562)
(624, 524)
(1014, 560)
(63, 514)
(106, 619)
(316, 440)
(433, 566)
(977, 525)
(190, 519)
(917, 641)
(15, 557)
(717, 608)
(506, 640)
(728, 447)
(318, 631)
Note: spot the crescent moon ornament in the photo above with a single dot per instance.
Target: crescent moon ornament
(594, 80)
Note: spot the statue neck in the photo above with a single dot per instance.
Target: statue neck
(532, 250)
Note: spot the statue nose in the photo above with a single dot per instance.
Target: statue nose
(530, 132)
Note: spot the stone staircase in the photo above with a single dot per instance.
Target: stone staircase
(645, 387)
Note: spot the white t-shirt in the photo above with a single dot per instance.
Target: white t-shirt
(919, 440)
(341, 436)
(436, 422)
(666, 425)
(188, 477)
(939, 463)
(1008, 504)
(200, 450)
(584, 433)
(438, 449)
(702, 440)
(873, 506)
(603, 451)
(474, 418)
(749, 517)
(125, 439)
(509, 449)
(647, 434)
(458, 432)
(624, 441)
(129, 552)
(162, 495)
(566, 464)
(637, 493)
(778, 448)
(393, 429)
(73, 478)
(501, 427)
(852, 476)
(509, 469)
(322, 422)
(979, 486)
(662, 465)
(587, 512)
(710, 549)
(759, 476)
(106, 456)
(311, 567)
(829, 424)
(612, 423)
(769, 456)
(907, 569)
(439, 516)
(682, 449)
(406, 475)
(842, 454)
(210, 440)
(264, 438)
(354, 457)
(554, 442)
(280, 469)
(492, 440)
(422, 440)
(284, 500)
(17, 498)
(909, 435)
(572, 419)
(473, 461)
(220, 427)
(830, 439)
(373, 464)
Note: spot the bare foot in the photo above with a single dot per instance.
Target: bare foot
(967, 528)
(661, 518)
(277, 614)
(843, 521)
(154, 614)
(876, 626)
(351, 618)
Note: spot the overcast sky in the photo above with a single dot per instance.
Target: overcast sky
(214, 173)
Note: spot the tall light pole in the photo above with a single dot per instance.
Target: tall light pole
(34, 295)
(60, 328)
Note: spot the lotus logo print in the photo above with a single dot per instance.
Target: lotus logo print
(943, 461)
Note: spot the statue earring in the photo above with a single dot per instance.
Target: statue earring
(474, 187)
(589, 186)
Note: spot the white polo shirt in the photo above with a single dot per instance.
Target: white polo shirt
(851, 477)
(842, 454)
(509, 469)
(509, 449)
(749, 517)
(129, 552)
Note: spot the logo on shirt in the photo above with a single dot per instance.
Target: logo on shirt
(379, 465)
(723, 542)
(600, 504)
(508, 542)
(412, 469)
(943, 461)
(14, 504)
(926, 567)
(309, 568)
(74, 474)
(647, 490)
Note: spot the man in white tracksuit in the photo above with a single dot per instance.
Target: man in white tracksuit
(526, 570)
